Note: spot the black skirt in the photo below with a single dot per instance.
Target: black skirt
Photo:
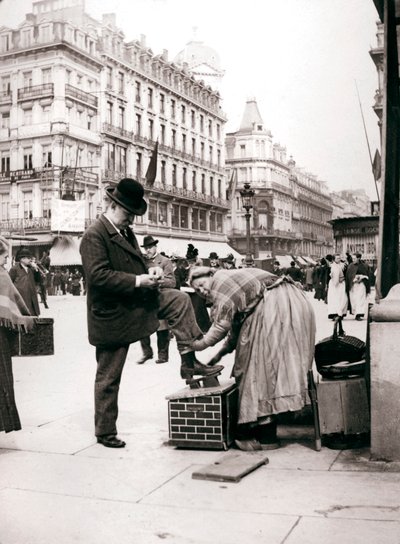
(9, 418)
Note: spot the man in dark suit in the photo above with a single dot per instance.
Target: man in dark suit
(153, 259)
(124, 303)
(25, 276)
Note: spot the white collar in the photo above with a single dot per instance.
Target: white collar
(113, 224)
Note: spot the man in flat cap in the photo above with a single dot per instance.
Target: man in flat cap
(124, 303)
(155, 259)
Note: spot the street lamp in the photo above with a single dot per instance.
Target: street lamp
(247, 195)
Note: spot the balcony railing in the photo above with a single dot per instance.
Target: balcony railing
(118, 131)
(82, 96)
(186, 193)
(5, 97)
(266, 232)
(36, 91)
(22, 225)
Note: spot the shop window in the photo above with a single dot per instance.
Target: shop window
(203, 220)
(175, 216)
(184, 211)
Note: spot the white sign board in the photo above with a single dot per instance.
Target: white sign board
(67, 215)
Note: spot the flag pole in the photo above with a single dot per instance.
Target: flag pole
(366, 136)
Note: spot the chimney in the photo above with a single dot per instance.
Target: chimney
(165, 55)
(109, 19)
(31, 17)
(143, 40)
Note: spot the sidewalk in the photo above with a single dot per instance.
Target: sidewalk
(58, 485)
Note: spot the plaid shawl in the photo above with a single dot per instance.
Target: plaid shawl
(235, 291)
(13, 312)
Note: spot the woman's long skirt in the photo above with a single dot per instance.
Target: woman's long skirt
(337, 299)
(9, 418)
(358, 299)
(274, 352)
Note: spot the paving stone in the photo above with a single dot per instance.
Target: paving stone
(42, 518)
(292, 492)
(331, 531)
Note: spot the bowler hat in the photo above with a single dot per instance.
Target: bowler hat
(129, 194)
(24, 252)
(148, 241)
(213, 255)
(229, 259)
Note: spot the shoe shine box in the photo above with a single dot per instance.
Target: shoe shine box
(203, 418)
(39, 341)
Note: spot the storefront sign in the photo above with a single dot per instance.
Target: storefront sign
(67, 215)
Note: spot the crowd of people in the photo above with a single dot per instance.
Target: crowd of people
(343, 283)
(135, 291)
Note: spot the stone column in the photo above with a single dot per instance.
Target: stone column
(385, 377)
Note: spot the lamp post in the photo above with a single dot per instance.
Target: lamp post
(247, 195)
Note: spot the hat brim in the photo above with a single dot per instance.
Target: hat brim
(137, 211)
(149, 245)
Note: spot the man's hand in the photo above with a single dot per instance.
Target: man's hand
(148, 280)
(156, 271)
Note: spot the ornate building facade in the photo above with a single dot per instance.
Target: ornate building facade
(81, 108)
(291, 206)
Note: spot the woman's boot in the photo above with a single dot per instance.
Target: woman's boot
(267, 436)
(245, 437)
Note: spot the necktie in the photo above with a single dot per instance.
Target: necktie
(125, 235)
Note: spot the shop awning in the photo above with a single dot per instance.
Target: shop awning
(284, 260)
(310, 260)
(39, 240)
(178, 247)
(301, 261)
(65, 251)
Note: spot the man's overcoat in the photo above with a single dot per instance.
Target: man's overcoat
(118, 312)
(26, 281)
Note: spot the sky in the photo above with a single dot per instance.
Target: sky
(300, 59)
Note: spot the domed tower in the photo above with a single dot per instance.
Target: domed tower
(202, 61)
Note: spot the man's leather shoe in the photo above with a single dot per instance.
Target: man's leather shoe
(145, 358)
(203, 370)
(111, 441)
(161, 360)
(199, 369)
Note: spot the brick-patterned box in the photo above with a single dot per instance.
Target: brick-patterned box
(203, 418)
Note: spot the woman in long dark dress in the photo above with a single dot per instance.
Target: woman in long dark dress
(13, 316)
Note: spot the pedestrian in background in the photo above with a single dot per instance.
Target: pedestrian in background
(321, 273)
(276, 269)
(337, 296)
(14, 315)
(229, 262)
(309, 278)
(42, 281)
(76, 277)
(214, 260)
(154, 259)
(294, 272)
(358, 286)
(25, 276)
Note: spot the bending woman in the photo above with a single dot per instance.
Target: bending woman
(272, 326)
(13, 316)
